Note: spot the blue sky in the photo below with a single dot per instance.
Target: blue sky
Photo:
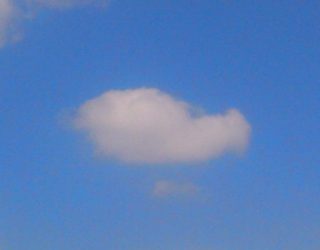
(261, 58)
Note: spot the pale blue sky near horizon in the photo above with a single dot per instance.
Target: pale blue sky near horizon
(262, 58)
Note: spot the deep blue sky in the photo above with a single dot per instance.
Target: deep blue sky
(262, 58)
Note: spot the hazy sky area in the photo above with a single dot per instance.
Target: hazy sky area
(159, 125)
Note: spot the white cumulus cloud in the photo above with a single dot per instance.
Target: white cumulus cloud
(148, 126)
(165, 188)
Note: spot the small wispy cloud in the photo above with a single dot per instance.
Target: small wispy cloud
(12, 14)
(65, 4)
(165, 188)
(9, 16)
(148, 126)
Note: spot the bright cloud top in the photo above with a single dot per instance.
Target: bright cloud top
(166, 188)
(11, 13)
(149, 126)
